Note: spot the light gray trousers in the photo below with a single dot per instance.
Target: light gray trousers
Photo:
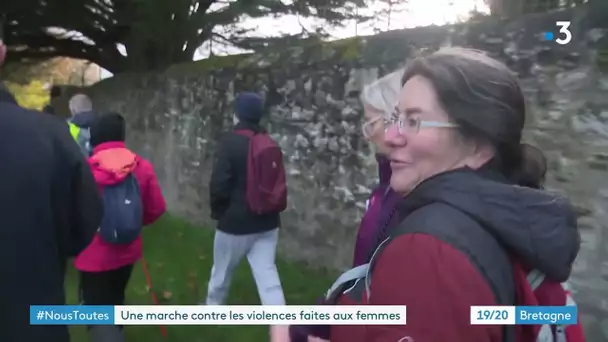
(260, 249)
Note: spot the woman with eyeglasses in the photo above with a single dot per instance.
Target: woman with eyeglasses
(378, 99)
(471, 220)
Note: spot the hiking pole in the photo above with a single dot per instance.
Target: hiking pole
(144, 265)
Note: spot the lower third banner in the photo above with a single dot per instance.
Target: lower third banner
(217, 315)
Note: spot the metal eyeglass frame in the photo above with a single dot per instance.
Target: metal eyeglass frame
(419, 124)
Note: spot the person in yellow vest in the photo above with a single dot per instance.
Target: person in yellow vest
(82, 118)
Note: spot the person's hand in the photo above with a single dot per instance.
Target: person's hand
(2, 52)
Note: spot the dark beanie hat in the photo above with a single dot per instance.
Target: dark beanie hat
(108, 127)
(249, 107)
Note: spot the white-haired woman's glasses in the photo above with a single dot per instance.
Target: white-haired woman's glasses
(410, 124)
(370, 126)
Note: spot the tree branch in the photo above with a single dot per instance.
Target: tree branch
(42, 46)
(153, 31)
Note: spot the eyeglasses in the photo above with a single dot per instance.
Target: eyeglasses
(408, 124)
(370, 125)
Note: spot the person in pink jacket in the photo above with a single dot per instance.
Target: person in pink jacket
(105, 268)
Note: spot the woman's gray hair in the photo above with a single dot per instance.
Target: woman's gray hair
(80, 103)
(383, 93)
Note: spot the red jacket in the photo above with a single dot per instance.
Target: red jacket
(109, 163)
(438, 282)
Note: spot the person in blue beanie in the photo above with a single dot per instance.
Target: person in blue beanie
(245, 228)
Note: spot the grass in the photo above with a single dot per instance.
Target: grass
(179, 258)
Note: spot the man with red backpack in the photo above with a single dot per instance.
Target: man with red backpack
(247, 193)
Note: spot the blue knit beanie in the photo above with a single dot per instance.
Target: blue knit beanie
(249, 107)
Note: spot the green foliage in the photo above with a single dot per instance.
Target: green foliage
(33, 95)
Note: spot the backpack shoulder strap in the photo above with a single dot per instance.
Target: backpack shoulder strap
(132, 178)
(245, 132)
(84, 139)
(346, 277)
(349, 279)
(546, 333)
(468, 236)
(535, 278)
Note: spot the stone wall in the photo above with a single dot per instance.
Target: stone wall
(175, 118)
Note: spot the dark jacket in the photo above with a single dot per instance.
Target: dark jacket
(49, 109)
(437, 279)
(50, 210)
(84, 120)
(228, 184)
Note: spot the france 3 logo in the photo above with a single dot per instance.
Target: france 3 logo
(564, 35)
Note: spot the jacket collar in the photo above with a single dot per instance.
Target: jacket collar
(5, 95)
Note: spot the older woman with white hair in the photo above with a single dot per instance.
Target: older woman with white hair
(379, 99)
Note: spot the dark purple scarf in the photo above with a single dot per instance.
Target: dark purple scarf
(368, 229)
(378, 213)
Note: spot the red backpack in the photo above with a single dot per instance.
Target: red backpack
(534, 289)
(266, 181)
